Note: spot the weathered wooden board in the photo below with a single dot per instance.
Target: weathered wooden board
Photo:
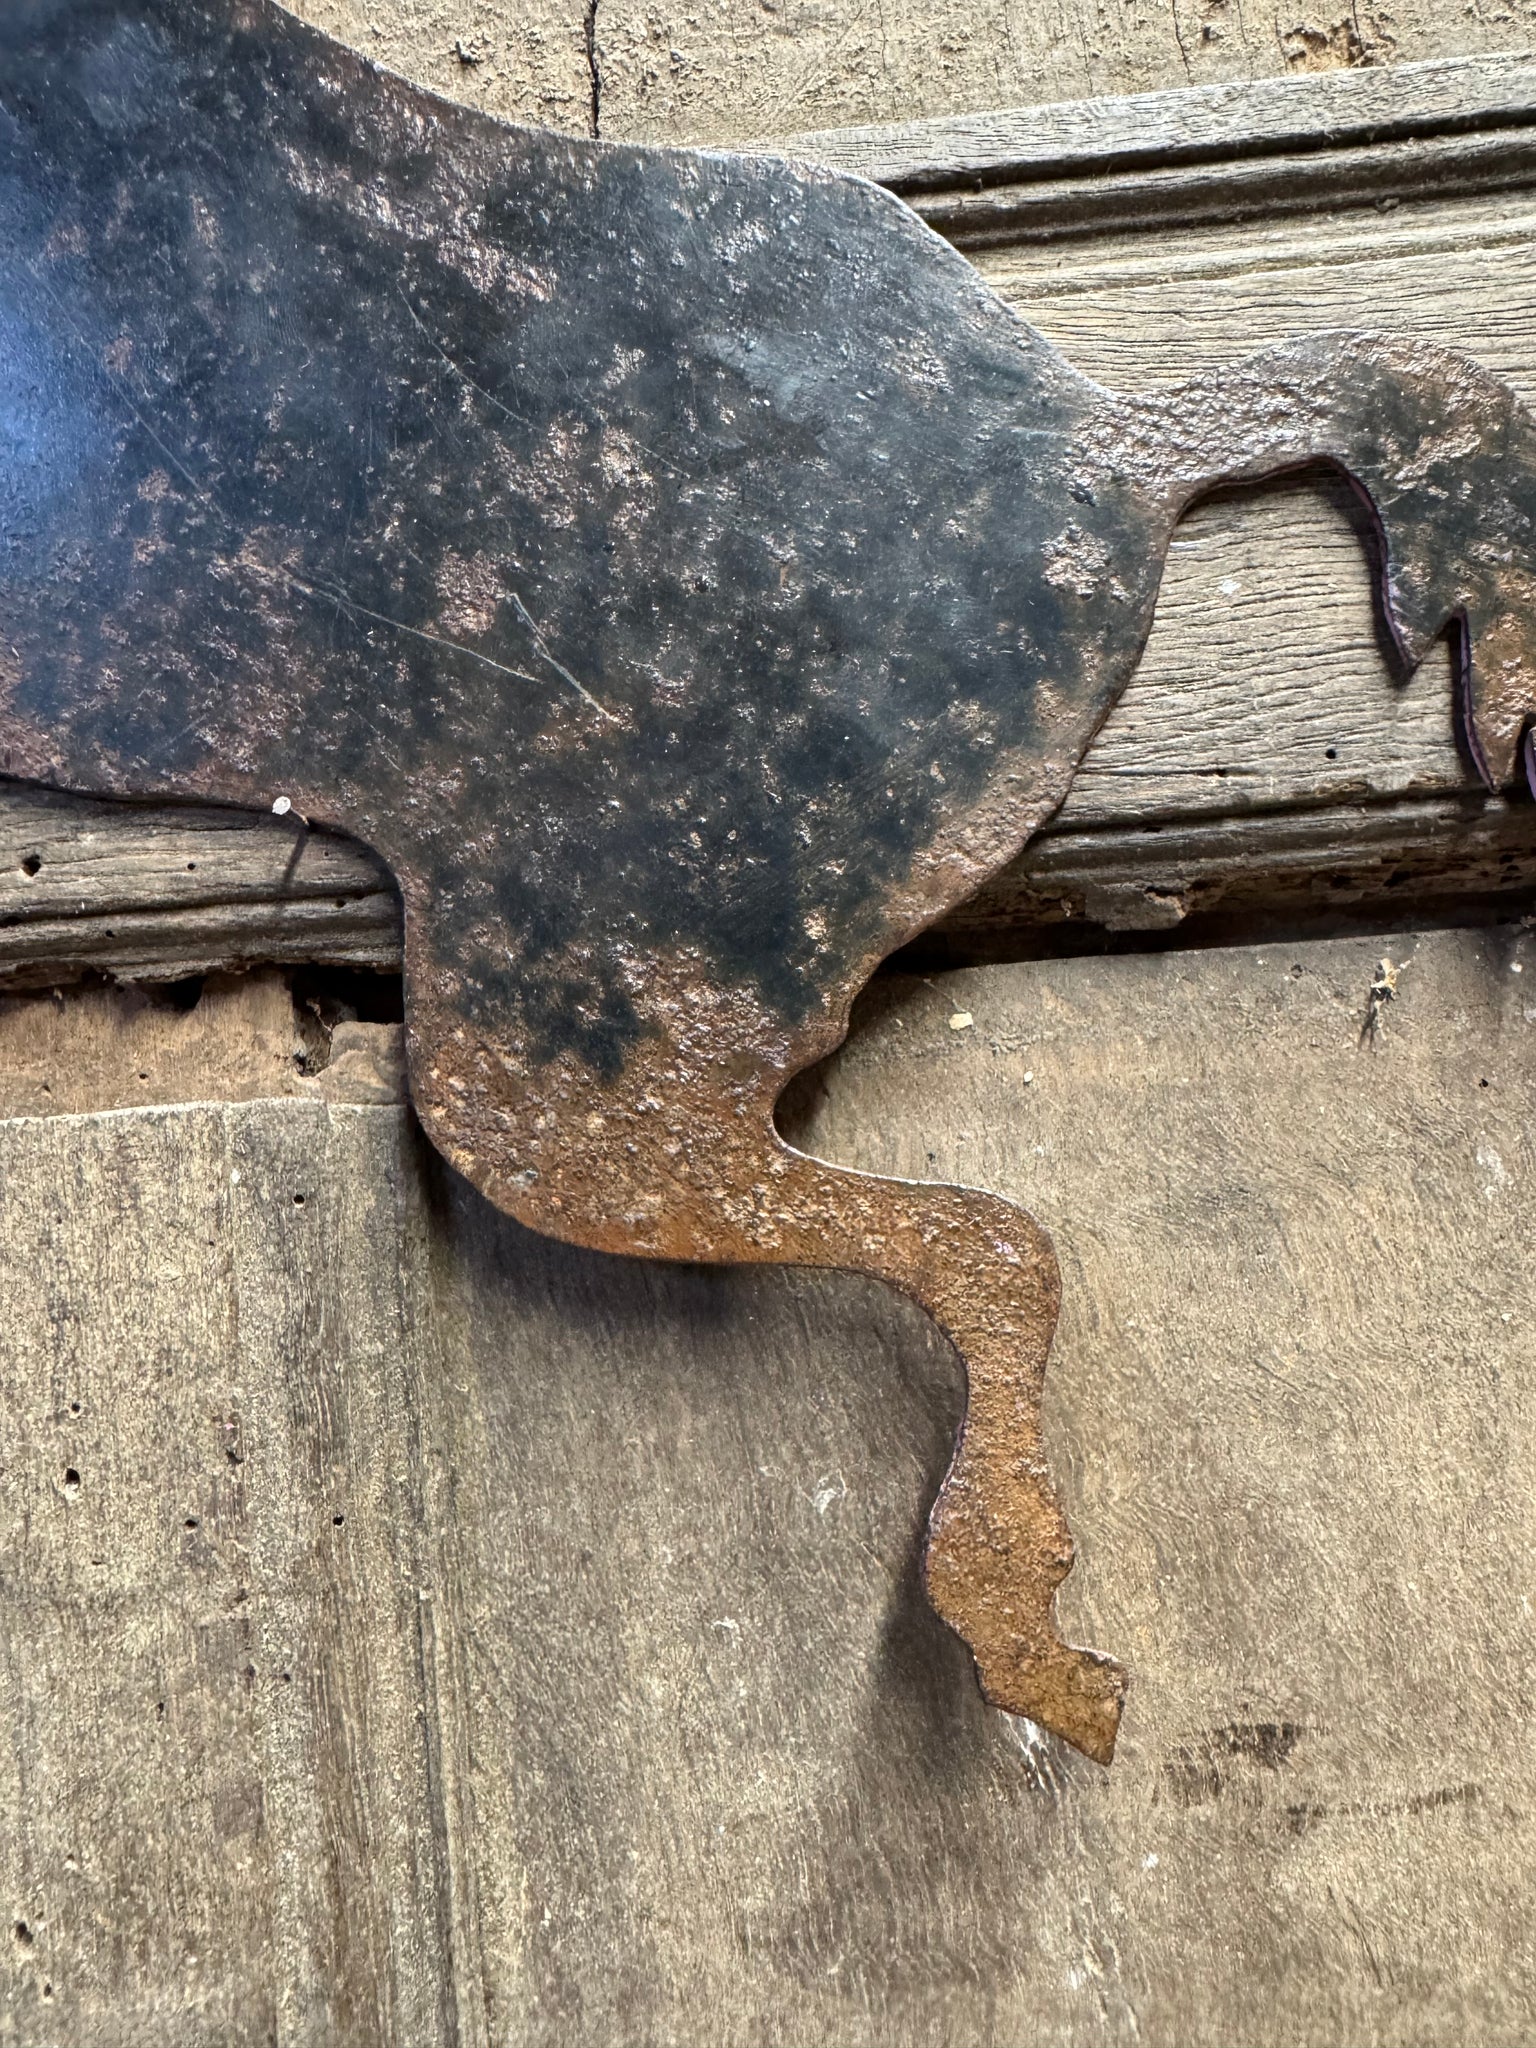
(1264, 684)
(1227, 123)
(1282, 718)
(234, 1038)
(717, 73)
(741, 70)
(1292, 1389)
(1345, 142)
(1460, 273)
(614, 1697)
(219, 1819)
(158, 892)
(721, 72)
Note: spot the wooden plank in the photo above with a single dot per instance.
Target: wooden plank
(220, 1820)
(1459, 273)
(614, 1707)
(1370, 179)
(732, 1780)
(745, 69)
(234, 1038)
(682, 1753)
(68, 856)
(1195, 881)
(1264, 684)
(151, 892)
(1246, 703)
(154, 945)
(1247, 706)
(1292, 1339)
(1234, 120)
(685, 73)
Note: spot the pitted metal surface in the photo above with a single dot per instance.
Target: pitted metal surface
(684, 572)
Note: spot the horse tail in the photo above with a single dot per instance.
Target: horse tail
(1442, 453)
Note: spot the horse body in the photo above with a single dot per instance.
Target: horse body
(679, 567)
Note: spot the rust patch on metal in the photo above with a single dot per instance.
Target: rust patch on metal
(690, 579)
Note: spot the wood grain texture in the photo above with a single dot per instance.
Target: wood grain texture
(1292, 1338)
(1264, 682)
(615, 1694)
(1232, 121)
(1248, 706)
(1248, 702)
(1366, 181)
(611, 1709)
(218, 1812)
(742, 70)
(693, 71)
(157, 892)
(237, 1038)
(1349, 866)
(1460, 271)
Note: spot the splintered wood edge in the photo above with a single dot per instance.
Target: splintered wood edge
(164, 892)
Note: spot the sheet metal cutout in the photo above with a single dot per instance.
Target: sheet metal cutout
(684, 572)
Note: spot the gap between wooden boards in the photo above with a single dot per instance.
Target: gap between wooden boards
(133, 893)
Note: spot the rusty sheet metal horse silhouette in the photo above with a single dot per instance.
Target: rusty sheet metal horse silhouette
(689, 578)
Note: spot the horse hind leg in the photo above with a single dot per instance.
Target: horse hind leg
(681, 1159)
(998, 1545)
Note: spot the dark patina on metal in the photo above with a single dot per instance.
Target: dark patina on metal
(684, 572)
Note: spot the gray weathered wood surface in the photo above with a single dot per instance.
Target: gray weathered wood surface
(685, 71)
(1261, 150)
(611, 1709)
(220, 1822)
(1229, 122)
(1263, 752)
